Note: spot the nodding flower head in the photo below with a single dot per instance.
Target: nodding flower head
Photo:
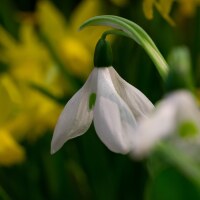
(114, 105)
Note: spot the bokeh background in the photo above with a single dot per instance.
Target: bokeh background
(44, 60)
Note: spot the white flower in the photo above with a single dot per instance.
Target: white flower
(113, 104)
(176, 117)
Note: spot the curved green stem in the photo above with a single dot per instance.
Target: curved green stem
(135, 32)
(114, 32)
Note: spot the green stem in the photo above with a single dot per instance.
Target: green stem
(3, 194)
(114, 32)
(185, 163)
(134, 32)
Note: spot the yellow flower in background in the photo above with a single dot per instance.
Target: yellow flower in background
(163, 6)
(23, 107)
(58, 32)
(75, 48)
(148, 8)
(76, 56)
(10, 151)
(27, 113)
(51, 22)
(186, 8)
(33, 119)
(28, 62)
(9, 97)
(28, 59)
(86, 10)
(120, 3)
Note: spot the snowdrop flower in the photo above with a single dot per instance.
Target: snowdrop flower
(176, 117)
(114, 105)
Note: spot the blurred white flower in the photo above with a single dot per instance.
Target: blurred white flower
(114, 105)
(177, 117)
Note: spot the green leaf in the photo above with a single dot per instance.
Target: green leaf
(188, 166)
(134, 32)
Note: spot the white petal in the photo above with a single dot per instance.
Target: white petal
(161, 124)
(113, 120)
(187, 107)
(175, 109)
(76, 117)
(139, 104)
(187, 138)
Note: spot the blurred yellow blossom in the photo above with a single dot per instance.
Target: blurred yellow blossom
(120, 3)
(20, 117)
(27, 58)
(29, 62)
(85, 10)
(72, 48)
(148, 8)
(74, 53)
(75, 48)
(9, 97)
(10, 151)
(163, 6)
(51, 22)
(36, 117)
(186, 8)
(28, 113)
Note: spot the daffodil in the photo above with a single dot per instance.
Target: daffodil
(163, 6)
(114, 105)
(10, 151)
(177, 118)
(188, 8)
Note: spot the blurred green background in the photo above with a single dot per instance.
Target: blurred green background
(44, 60)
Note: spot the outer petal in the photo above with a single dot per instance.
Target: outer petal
(176, 109)
(188, 138)
(113, 120)
(160, 124)
(187, 107)
(139, 104)
(76, 117)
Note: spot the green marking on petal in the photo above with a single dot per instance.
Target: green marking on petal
(92, 99)
(188, 129)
